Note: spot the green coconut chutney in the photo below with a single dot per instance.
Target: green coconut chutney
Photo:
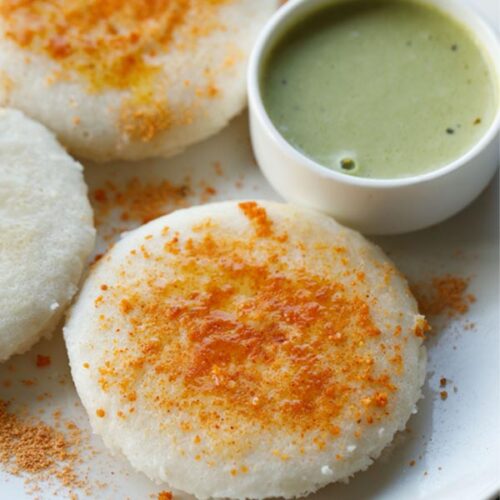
(379, 88)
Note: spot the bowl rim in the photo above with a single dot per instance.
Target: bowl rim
(463, 14)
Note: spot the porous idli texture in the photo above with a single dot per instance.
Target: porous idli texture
(46, 231)
(128, 79)
(246, 350)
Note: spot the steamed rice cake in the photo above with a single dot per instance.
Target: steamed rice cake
(246, 350)
(46, 231)
(127, 79)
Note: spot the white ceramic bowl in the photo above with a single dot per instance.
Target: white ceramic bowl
(373, 206)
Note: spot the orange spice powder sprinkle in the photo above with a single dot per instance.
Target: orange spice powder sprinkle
(140, 202)
(109, 42)
(165, 495)
(42, 361)
(268, 345)
(32, 449)
(444, 295)
(116, 44)
(258, 216)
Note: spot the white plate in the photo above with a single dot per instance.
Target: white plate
(455, 443)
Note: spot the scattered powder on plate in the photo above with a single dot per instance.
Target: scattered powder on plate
(218, 169)
(42, 361)
(443, 381)
(470, 325)
(138, 202)
(445, 294)
(165, 495)
(41, 453)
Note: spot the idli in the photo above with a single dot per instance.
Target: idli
(46, 231)
(246, 350)
(128, 79)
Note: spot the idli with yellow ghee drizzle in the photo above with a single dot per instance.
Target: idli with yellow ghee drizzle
(128, 79)
(246, 350)
(46, 231)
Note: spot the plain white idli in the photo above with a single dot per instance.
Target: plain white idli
(246, 350)
(46, 231)
(128, 79)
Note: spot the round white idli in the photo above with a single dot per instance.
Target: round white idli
(46, 231)
(246, 350)
(128, 79)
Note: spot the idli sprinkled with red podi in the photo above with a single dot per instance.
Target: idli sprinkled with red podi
(126, 78)
(246, 350)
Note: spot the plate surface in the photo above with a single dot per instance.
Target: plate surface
(453, 444)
